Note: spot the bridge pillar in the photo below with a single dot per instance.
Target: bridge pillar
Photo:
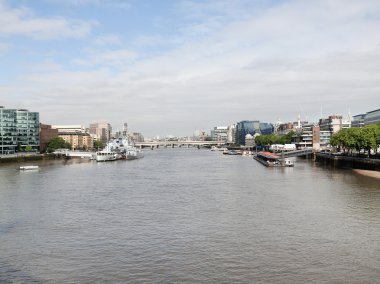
(151, 147)
(172, 145)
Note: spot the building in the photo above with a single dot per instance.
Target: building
(334, 123)
(249, 141)
(304, 138)
(372, 117)
(101, 131)
(231, 134)
(78, 140)
(138, 137)
(219, 133)
(251, 127)
(46, 134)
(70, 128)
(19, 130)
(358, 120)
(368, 118)
(284, 128)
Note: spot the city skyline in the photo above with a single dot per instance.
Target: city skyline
(171, 67)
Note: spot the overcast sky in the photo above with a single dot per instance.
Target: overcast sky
(170, 67)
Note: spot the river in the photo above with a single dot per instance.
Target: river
(187, 216)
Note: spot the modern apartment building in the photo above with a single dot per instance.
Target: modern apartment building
(19, 130)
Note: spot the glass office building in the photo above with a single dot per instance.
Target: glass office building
(251, 127)
(18, 129)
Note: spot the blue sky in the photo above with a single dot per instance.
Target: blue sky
(170, 67)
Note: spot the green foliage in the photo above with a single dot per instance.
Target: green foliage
(57, 143)
(366, 138)
(28, 148)
(265, 140)
(98, 144)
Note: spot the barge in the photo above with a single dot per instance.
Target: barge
(269, 159)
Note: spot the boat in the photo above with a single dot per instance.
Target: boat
(269, 159)
(25, 168)
(134, 153)
(231, 152)
(215, 148)
(119, 149)
(247, 153)
(104, 156)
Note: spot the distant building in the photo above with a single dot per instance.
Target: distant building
(18, 129)
(101, 131)
(219, 133)
(231, 134)
(137, 137)
(46, 134)
(74, 128)
(284, 128)
(78, 140)
(304, 138)
(358, 120)
(251, 127)
(334, 123)
(249, 141)
(372, 117)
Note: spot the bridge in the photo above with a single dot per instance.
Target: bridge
(157, 144)
(297, 153)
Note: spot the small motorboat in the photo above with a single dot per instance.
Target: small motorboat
(24, 168)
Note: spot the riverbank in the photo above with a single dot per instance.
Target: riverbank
(373, 174)
(348, 162)
(24, 158)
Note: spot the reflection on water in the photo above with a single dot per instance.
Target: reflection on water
(187, 216)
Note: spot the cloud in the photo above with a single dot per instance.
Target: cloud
(107, 40)
(4, 47)
(21, 21)
(117, 4)
(287, 58)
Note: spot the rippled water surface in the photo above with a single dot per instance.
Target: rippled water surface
(187, 216)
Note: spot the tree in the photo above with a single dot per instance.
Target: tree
(28, 148)
(57, 143)
(98, 144)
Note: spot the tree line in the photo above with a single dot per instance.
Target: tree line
(270, 139)
(366, 138)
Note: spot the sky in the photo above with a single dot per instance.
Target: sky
(173, 67)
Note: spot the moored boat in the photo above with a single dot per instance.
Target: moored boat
(269, 159)
(25, 168)
(118, 149)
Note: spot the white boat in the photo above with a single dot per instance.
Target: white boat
(134, 153)
(104, 156)
(118, 149)
(24, 168)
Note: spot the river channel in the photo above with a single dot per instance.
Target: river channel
(187, 216)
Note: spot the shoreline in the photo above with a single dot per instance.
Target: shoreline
(367, 173)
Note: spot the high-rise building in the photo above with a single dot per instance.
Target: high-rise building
(101, 131)
(19, 130)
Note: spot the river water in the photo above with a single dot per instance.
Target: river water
(187, 216)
